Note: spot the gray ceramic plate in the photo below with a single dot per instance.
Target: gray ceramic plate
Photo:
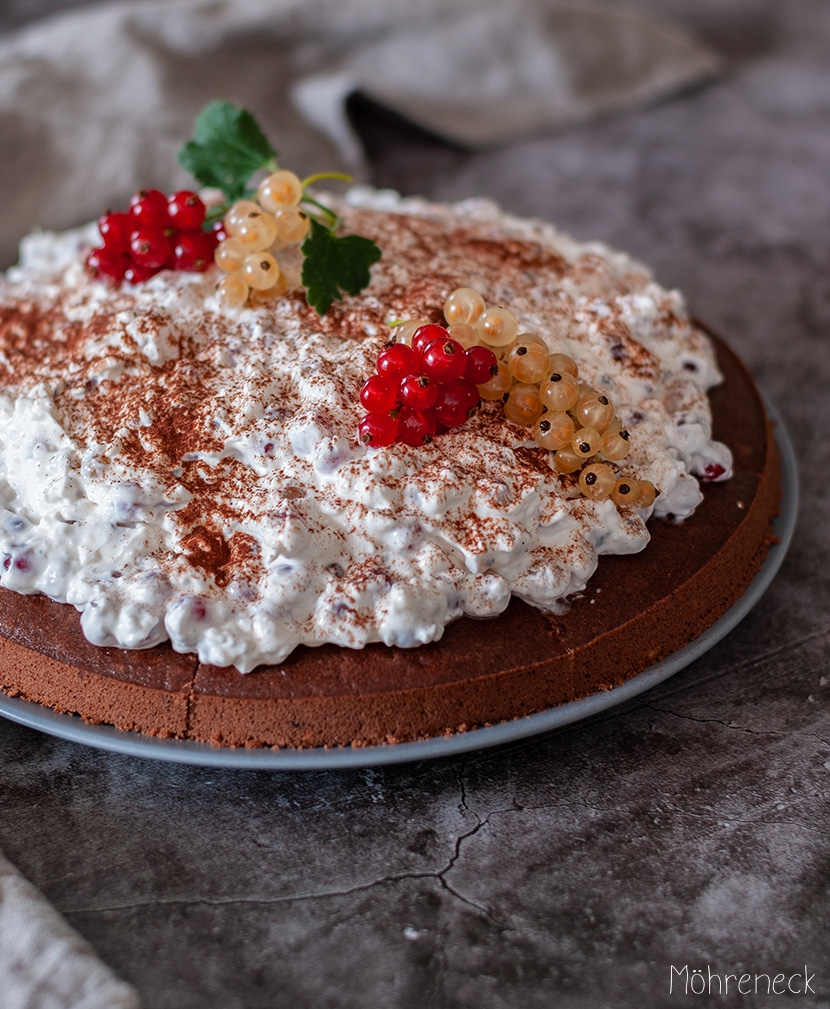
(185, 752)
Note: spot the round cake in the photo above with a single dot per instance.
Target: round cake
(189, 477)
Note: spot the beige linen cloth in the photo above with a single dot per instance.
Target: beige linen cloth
(45, 964)
(95, 104)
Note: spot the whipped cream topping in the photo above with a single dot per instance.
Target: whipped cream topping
(178, 469)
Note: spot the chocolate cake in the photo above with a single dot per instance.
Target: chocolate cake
(367, 589)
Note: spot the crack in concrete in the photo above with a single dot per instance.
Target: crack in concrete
(766, 823)
(294, 898)
(439, 875)
(781, 733)
(460, 773)
(459, 841)
(792, 646)
(669, 812)
(678, 687)
(717, 721)
(264, 901)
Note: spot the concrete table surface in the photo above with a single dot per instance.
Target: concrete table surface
(688, 827)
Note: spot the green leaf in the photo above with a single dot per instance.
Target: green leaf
(334, 264)
(227, 148)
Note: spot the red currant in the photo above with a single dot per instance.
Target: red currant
(193, 250)
(418, 392)
(148, 209)
(136, 274)
(185, 210)
(377, 430)
(711, 471)
(456, 401)
(396, 362)
(116, 229)
(416, 427)
(19, 563)
(378, 395)
(482, 364)
(444, 360)
(108, 263)
(424, 335)
(218, 231)
(150, 248)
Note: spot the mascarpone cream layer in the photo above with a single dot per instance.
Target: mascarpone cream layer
(177, 469)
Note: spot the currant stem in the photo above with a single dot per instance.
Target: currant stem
(331, 217)
(325, 175)
(214, 213)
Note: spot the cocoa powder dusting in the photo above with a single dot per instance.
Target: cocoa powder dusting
(37, 338)
(207, 550)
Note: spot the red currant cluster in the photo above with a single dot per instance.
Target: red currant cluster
(422, 389)
(157, 232)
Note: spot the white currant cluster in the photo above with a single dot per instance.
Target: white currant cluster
(542, 391)
(255, 230)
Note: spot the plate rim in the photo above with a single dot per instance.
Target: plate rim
(190, 752)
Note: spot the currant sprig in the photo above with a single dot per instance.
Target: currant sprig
(436, 375)
(228, 148)
(422, 389)
(156, 232)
